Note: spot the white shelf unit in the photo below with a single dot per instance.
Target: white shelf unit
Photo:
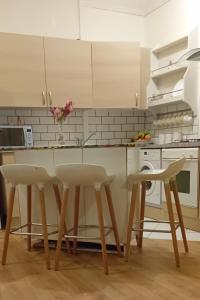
(171, 82)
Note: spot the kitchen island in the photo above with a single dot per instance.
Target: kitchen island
(118, 160)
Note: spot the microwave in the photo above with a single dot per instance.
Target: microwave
(16, 136)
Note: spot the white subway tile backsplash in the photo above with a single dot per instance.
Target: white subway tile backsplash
(103, 127)
(132, 120)
(127, 112)
(107, 120)
(40, 112)
(48, 136)
(39, 128)
(115, 112)
(12, 120)
(23, 112)
(120, 135)
(75, 120)
(94, 120)
(69, 128)
(102, 142)
(36, 137)
(111, 125)
(127, 127)
(47, 120)
(102, 112)
(115, 127)
(7, 112)
(92, 127)
(73, 136)
(31, 120)
(120, 120)
(114, 141)
(107, 135)
(3, 120)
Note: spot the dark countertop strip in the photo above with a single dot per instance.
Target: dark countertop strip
(64, 147)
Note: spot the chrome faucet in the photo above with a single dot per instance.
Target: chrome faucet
(82, 142)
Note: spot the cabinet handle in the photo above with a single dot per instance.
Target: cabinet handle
(50, 98)
(136, 98)
(43, 97)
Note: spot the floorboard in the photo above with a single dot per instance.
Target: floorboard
(151, 274)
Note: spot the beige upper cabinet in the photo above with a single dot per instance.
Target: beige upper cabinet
(116, 74)
(22, 79)
(68, 71)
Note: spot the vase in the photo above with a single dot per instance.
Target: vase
(60, 135)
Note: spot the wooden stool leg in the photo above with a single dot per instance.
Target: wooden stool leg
(131, 218)
(61, 227)
(59, 203)
(179, 213)
(113, 219)
(76, 215)
(171, 220)
(102, 233)
(8, 224)
(29, 221)
(44, 227)
(143, 194)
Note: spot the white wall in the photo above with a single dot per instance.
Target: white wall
(103, 25)
(40, 17)
(171, 21)
(60, 18)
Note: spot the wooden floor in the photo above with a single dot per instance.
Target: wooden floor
(150, 274)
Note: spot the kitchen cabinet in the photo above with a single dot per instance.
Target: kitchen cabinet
(39, 72)
(22, 73)
(68, 72)
(43, 71)
(116, 74)
(9, 158)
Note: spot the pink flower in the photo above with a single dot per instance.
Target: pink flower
(60, 113)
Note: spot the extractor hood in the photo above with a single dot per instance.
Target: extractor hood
(191, 55)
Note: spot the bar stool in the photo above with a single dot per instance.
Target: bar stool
(76, 175)
(168, 176)
(17, 174)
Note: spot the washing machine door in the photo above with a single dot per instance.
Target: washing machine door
(150, 185)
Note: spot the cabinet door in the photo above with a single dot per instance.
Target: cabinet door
(22, 76)
(68, 71)
(9, 158)
(116, 74)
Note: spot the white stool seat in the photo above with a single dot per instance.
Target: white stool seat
(26, 174)
(17, 174)
(76, 175)
(158, 174)
(168, 176)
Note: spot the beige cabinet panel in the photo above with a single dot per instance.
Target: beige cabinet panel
(116, 74)
(9, 158)
(144, 76)
(22, 75)
(68, 71)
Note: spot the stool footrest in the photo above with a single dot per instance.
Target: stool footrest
(157, 230)
(15, 230)
(108, 228)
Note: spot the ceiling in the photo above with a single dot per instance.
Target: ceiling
(135, 7)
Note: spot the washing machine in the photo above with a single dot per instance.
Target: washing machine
(151, 159)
